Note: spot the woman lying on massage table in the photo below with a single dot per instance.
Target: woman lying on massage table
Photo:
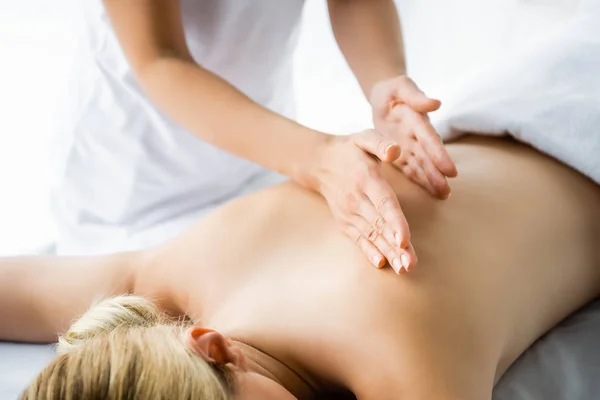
(265, 299)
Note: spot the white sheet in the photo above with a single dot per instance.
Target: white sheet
(546, 95)
(19, 364)
(563, 365)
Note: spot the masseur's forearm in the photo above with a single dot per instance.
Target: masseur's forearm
(218, 113)
(369, 35)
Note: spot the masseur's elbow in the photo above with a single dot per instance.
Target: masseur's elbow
(151, 69)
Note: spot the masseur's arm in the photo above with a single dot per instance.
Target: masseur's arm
(369, 35)
(342, 169)
(41, 296)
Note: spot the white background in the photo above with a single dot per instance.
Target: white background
(444, 41)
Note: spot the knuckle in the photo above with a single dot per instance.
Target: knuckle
(379, 224)
(358, 239)
(418, 174)
(420, 158)
(381, 203)
(409, 172)
(350, 230)
(371, 234)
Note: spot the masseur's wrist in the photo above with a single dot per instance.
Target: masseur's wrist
(383, 77)
(305, 169)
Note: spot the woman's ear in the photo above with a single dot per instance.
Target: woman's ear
(212, 346)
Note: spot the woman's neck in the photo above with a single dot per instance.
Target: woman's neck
(261, 363)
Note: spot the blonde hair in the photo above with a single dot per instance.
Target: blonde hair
(125, 348)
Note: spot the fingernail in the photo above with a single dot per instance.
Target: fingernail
(396, 265)
(404, 261)
(398, 239)
(376, 260)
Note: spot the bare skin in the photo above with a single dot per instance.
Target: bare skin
(510, 254)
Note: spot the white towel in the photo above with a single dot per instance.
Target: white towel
(546, 95)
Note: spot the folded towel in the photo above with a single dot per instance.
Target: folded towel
(546, 95)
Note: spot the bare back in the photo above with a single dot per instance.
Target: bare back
(510, 254)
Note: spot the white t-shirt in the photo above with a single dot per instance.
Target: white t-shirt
(130, 177)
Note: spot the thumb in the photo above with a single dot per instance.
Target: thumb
(373, 143)
(409, 93)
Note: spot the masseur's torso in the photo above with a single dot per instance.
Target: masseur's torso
(511, 253)
(129, 175)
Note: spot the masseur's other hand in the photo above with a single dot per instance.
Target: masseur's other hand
(400, 114)
(348, 175)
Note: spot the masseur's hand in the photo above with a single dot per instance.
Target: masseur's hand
(400, 114)
(348, 175)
